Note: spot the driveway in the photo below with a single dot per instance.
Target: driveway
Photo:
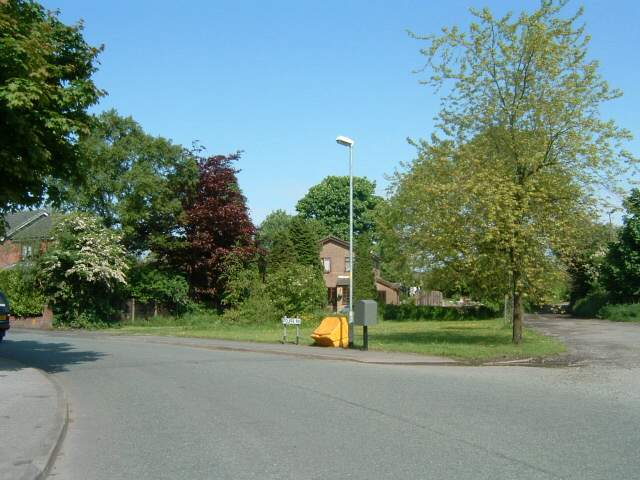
(592, 342)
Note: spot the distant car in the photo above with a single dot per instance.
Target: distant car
(4, 315)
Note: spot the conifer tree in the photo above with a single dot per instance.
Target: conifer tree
(306, 244)
(363, 273)
(282, 252)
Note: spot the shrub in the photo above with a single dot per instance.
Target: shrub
(25, 297)
(257, 308)
(589, 306)
(624, 312)
(411, 312)
(148, 283)
(295, 289)
(83, 272)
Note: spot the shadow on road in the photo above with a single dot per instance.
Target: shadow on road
(50, 357)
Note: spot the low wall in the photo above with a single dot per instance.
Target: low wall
(43, 322)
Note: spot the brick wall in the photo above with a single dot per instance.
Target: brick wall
(337, 254)
(10, 253)
(43, 322)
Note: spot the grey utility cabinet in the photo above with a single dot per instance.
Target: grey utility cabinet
(366, 313)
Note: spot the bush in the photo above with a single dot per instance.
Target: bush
(26, 299)
(83, 272)
(296, 289)
(589, 306)
(624, 312)
(412, 312)
(147, 283)
(257, 308)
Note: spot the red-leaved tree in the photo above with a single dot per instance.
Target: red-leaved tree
(217, 226)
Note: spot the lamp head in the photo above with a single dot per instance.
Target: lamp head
(346, 141)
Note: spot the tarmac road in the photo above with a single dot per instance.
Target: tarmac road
(591, 341)
(144, 410)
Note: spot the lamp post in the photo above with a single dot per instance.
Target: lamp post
(347, 142)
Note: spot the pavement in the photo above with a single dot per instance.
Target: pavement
(33, 416)
(165, 408)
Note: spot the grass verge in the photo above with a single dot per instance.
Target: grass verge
(469, 340)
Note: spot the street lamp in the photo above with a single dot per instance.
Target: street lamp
(347, 142)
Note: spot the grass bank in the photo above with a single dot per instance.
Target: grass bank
(470, 340)
(625, 312)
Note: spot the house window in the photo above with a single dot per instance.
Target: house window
(27, 251)
(326, 262)
(347, 266)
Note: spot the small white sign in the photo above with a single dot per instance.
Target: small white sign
(291, 321)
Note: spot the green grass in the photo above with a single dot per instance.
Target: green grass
(625, 312)
(470, 340)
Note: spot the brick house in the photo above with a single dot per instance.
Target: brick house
(26, 235)
(334, 254)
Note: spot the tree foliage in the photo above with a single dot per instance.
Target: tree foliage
(135, 182)
(45, 90)
(84, 270)
(20, 286)
(585, 263)
(328, 202)
(276, 222)
(621, 270)
(499, 197)
(363, 270)
(305, 241)
(150, 283)
(296, 289)
(217, 225)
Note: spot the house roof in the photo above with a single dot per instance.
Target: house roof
(28, 225)
(331, 238)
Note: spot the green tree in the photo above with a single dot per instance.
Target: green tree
(136, 182)
(621, 269)
(282, 252)
(83, 271)
(306, 242)
(584, 265)
(276, 222)
(501, 195)
(150, 283)
(328, 202)
(363, 273)
(395, 262)
(45, 90)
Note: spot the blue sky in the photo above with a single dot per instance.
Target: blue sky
(281, 79)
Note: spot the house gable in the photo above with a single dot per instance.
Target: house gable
(26, 234)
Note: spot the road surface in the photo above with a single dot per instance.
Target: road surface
(143, 410)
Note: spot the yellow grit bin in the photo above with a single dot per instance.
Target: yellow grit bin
(332, 332)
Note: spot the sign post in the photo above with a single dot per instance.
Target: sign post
(291, 321)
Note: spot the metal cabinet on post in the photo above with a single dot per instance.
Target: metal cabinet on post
(366, 314)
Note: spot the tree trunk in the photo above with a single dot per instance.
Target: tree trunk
(518, 310)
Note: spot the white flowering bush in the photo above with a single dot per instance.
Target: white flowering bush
(84, 271)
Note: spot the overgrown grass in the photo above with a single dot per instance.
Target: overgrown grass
(626, 312)
(471, 340)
